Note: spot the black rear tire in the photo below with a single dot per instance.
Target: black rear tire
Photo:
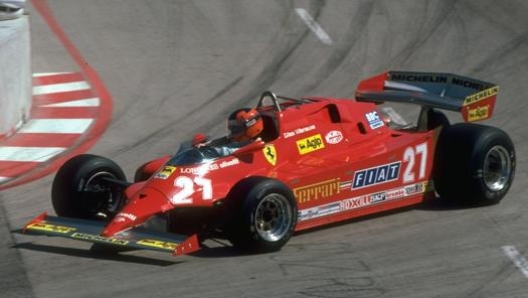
(266, 215)
(79, 191)
(475, 164)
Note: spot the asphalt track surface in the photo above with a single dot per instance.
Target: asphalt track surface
(175, 68)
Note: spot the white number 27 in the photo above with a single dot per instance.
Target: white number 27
(409, 156)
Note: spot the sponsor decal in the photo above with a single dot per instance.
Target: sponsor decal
(229, 163)
(362, 201)
(158, 244)
(376, 175)
(418, 78)
(395, 193)
(205, 168)
(419, 188)
(97, 238)
(468, 84)
(478, 113)
(354, 203)
(310, 144)
(165, 172)
(374, 120)
(289, 134)
(316, 191)
(200, 170)
(270, 154)
(50, 228)
(416, 188)
(481, 95)
(334, 137)
(378, 197)
(437, 79)
(319, 211)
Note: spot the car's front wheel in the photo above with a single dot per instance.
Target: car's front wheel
(266, 217)
(82, 188)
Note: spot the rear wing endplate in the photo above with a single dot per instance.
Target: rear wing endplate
(473, 98)
(89, 231)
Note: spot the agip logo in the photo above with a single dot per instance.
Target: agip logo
(310, 144)
(479, 113)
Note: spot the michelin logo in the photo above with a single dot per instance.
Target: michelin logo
(376, 175)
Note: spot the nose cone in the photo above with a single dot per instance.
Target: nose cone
(144, 204)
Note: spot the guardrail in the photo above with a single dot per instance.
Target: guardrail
(15, 74)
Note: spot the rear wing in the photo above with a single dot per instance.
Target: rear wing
(473, 98)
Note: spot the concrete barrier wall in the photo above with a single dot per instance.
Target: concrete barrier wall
(15, 74)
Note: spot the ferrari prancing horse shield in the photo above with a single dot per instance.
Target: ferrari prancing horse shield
(271, 154)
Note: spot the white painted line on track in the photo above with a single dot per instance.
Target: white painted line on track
(4, 179)
(56, 126)
(314, 26)
(89, 102)
(47, 74)
(57, 88)
(518, 260)
(34, 154)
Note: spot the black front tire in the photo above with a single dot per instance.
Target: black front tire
(266, 215)
(475, 164)
(79, 190)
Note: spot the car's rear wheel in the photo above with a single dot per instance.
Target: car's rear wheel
(266, 217)
(81, 188)
(475, 164)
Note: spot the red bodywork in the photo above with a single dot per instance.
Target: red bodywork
(339, 157)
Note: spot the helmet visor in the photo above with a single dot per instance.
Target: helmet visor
(235, 127)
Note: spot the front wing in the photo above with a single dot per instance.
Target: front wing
(90, 230)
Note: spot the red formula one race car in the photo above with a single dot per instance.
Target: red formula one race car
(293, 164)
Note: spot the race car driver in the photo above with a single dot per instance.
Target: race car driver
(245, 126)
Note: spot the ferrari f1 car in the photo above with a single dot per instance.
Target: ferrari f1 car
(316, 161)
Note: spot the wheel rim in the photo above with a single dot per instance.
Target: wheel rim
(273, 217)
(497, 168)
(99, 198)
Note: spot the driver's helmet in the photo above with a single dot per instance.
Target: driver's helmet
(244, 124)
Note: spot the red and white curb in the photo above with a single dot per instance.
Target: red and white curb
(64, 108)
